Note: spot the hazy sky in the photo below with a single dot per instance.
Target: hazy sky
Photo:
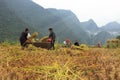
(101, 11)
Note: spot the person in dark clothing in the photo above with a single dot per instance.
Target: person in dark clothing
(52, 36)
(23, 37)
(76, 43)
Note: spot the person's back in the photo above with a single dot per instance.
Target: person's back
(76, 43)
(23, 37)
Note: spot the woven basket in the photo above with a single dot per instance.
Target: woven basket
(41, 44)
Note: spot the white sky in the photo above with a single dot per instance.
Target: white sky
(101, 11)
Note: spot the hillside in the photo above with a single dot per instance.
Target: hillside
(97, 34)
(64, 22)
(18, 14)
(10, 25)
(102, 36)
(90, 26)
(112, 27)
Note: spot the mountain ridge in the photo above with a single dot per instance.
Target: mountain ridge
(65, 23)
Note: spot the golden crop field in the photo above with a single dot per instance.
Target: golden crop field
(60, 64)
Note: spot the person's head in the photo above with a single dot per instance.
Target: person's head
(50, 29)
(26, 30)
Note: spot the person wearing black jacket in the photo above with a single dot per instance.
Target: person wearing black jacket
(23, 37)
(76, 43)
(52, 36)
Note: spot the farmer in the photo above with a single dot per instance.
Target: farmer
(76, 43)
(23, 37)
(99, 44)
(52, 37)
(68, 42)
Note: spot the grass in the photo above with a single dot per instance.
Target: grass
(60, 64)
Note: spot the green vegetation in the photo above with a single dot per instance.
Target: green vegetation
(11, 25)
(118, 37)
(16, 15)
(64, 22)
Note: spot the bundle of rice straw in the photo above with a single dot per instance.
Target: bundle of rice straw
(44, 39)
(34, 35)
